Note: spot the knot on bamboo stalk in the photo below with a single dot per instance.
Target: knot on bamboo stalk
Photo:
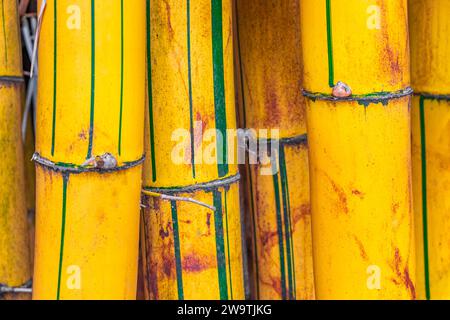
(341, 90)
(104, 161)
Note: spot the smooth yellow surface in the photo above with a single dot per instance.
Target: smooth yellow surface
(269, 56)
(366, 59)
(430, 50)
(430, 45)
(100, 233)
(14, 246)
(361, 199)
(170, 90)
(199, 262)
(197, 233)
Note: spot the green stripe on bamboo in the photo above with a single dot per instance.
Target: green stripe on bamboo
(424, 197)
(63, 233)
(287, 223)
(55, 73)
(191, 103)
(121, 76)
(228, 244)
(176, 243)
(220, 246)
(279, 230)
(150, 94)
(330, 45)
(219, 86)
(92, 104)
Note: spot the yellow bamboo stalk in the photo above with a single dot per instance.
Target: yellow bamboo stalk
(270, 65)
(14, 248)
(430, 50)
(356, 78)
(191, 251)
(89, 149)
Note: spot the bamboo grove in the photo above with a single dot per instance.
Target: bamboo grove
(225, 149)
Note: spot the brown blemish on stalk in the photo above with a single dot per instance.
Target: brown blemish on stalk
(409, 284)
(151, 267)
(362, 251)
(208, 220)
(156, 203)
(167, 267)
(82, 135)
(393, 58)
(152, 280)
(390, 57)
(169, 21)
(395, 207)
(342, 206)
(194, 263)
(168, 258)
(266, 238)
(358, 193)
(198, 132)
(271, 103)
(402, 274)
(300, 213)
(274, 283)
(208, 224)
(165, 233)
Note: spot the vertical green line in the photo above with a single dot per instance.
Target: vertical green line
(63, 232)
(219, 86)
(191, 103)
(220, 247)
(424, 196)
(121, 75)
(176, 241)
(55, 64)
(330, 45)
(292, 240)
(149, 93)
(228, 246)
(91, 122)
(4, 33)
(279, 230)
(287, 226)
